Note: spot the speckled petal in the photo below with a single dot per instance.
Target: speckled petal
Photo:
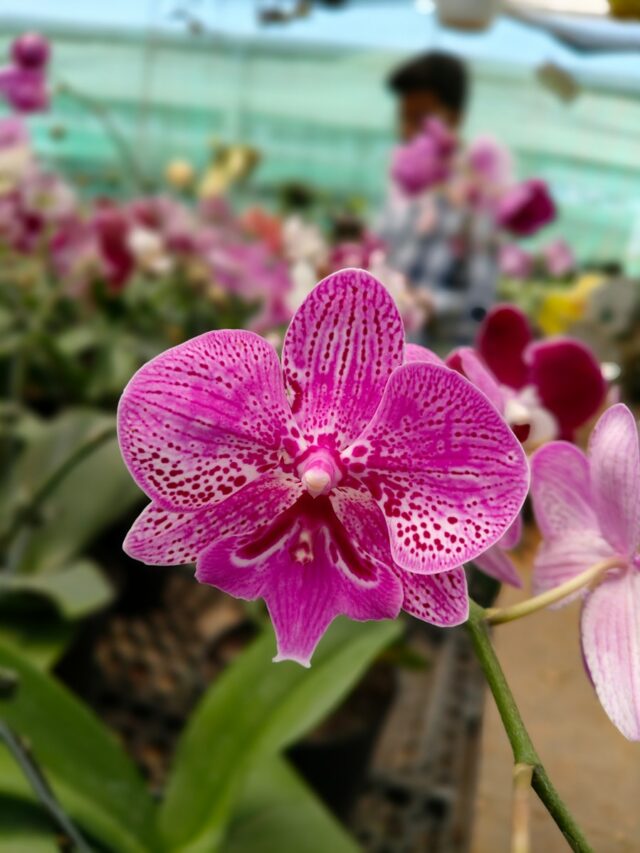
(440, 599)
(561, 490)
(303, 597)
(341, 346)
(162, 537)
(204, 418)
(614, 457)
(446, 470)
(513, 535)
(611, 647)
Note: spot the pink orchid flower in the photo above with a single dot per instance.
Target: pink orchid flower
(354, 479)
(424, 161)
(525, 208)
(588, 509)
(553, 387)
(494, 562)
(31, 50)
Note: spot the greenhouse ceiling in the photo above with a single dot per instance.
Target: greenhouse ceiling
(366, 24)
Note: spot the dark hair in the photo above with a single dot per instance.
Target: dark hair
(440, 73)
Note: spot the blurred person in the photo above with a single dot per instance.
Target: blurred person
(447, 253)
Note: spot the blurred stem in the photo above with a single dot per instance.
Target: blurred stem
(41, 788)
(499, 615)
(523, 749)
(28, 511)
(520, 828)
(126, 151)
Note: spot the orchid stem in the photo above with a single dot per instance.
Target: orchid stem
(499, 615)
(41, 788)
(523, 749)
(520, 831)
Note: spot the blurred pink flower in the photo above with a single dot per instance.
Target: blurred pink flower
(514, 262)
(559, 382)
(24, 89)
(559, 258)
(343, 481)
(525, 208)
(588, 510)
(31, 50)
(490, 160)
(426, 160)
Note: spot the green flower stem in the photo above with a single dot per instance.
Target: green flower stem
(499, 615)
(41, 788)
(523, 749)
(28, 511)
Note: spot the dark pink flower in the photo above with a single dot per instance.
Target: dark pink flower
(588, 510)
(560, 377)
(343, 482)
(24, 89)
(30, 50)
(426, 160)
(525, 208)
(111, 227)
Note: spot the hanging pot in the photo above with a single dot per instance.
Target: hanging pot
(474, 15)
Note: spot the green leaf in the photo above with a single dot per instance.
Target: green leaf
(253, 711)
(92, 496)
(24, 828)
(277, 811)
(40, 636)
(74, 592)
(94, 781)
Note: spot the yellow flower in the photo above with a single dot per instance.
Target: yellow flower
(179, 174)
(562, 307)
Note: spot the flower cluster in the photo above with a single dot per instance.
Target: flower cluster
(478, 177)
(356, 479)
(555, 261)
(23, 83)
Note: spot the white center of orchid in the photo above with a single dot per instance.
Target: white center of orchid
(319, 472)
(524, 408)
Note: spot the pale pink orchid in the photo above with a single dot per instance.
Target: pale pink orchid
(515, 262)
(588, 510)
(354, 479)
(559, 258)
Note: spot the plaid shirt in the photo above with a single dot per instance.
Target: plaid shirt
(451, 253)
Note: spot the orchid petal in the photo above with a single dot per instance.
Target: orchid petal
(513, 535)
(561, 490)
(611, 646)
(415, 352)
(614, 455)
(160, 537)
(440, 599)
(498, 565)
(202, 419)
(568, 380)
(559, 560)
(342, 345)
(446, 470)
(502, 339)
(467, 362)
(305, 583)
